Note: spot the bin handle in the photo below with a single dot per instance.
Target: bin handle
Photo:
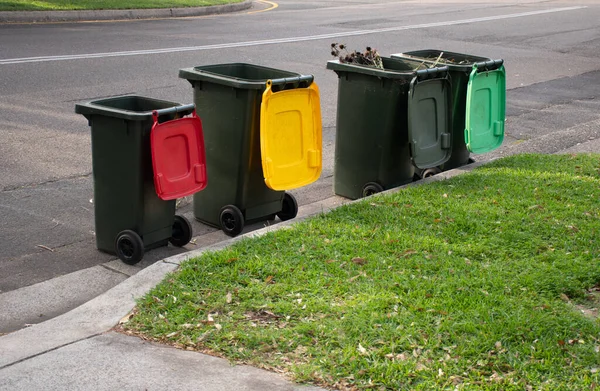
(294, 82)
(431, 73)
(486, 66)
(171, 110)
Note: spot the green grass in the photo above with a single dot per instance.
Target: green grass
(467, 284)
(64, 5)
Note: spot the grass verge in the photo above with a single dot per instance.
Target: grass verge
(468, 283)
(65, 5)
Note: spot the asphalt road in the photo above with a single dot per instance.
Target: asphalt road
(550, 50)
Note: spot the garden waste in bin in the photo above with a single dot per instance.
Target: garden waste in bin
(262, 129)
(478, 101)
(389, 121)
(130, 217)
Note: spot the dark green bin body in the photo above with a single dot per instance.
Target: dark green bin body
(372, 136)
(460, 67)
(124, 194)
(228, 99)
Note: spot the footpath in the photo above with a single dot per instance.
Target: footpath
(96, 15)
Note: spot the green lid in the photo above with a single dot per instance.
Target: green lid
(486, 107)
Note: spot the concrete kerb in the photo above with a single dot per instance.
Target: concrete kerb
(105, 311)
(124, 14)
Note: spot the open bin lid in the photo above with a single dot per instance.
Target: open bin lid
(178, 156)
(486, 105)
(429, 117)
(290, 136)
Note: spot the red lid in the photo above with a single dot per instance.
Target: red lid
(178, 157)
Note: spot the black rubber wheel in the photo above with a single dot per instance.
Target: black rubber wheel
(371, 188)
(231, 220)
(129, 247)
(431, 172)
(289, 207)
(182, 232)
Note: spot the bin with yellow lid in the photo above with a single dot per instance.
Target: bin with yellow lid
(262, 132)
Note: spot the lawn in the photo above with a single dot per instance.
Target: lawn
(479, 282)
(64, 5)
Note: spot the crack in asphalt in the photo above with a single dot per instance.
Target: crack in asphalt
(53, 180)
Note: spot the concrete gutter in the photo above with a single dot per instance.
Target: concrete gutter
(125, 14)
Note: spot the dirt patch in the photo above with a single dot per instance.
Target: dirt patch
(592, 303)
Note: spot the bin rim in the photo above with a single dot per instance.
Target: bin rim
(337, 66)
(196, 73)
(95, 107)
(418, 55)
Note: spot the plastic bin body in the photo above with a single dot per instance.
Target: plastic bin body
(228, 99)
(460, 67)
(124, 194)
(372, 138)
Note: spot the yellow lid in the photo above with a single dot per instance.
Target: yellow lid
(290, 137)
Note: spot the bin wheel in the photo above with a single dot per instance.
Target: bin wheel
(289, 207)
(181, 233)
(129, 247)
(371, 188)
(232, 220)
(431, 172)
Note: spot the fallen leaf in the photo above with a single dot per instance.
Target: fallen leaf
(330, 261)
(300, 349)
(269, 280)
(228, 298)
(498, 345)
(126, 318)
(356, 276)
(565, 297)
(359, 261)
(210, 318)
(218, 326)
(362, 350)
(204, 335)
(420, 367)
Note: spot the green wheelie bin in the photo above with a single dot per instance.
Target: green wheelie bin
(129, 216)
(389, 121)
(228, 98)
(483, 111)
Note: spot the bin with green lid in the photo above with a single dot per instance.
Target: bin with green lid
(479, 99)
(262, 131)
(130, 218)
(389, 121)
